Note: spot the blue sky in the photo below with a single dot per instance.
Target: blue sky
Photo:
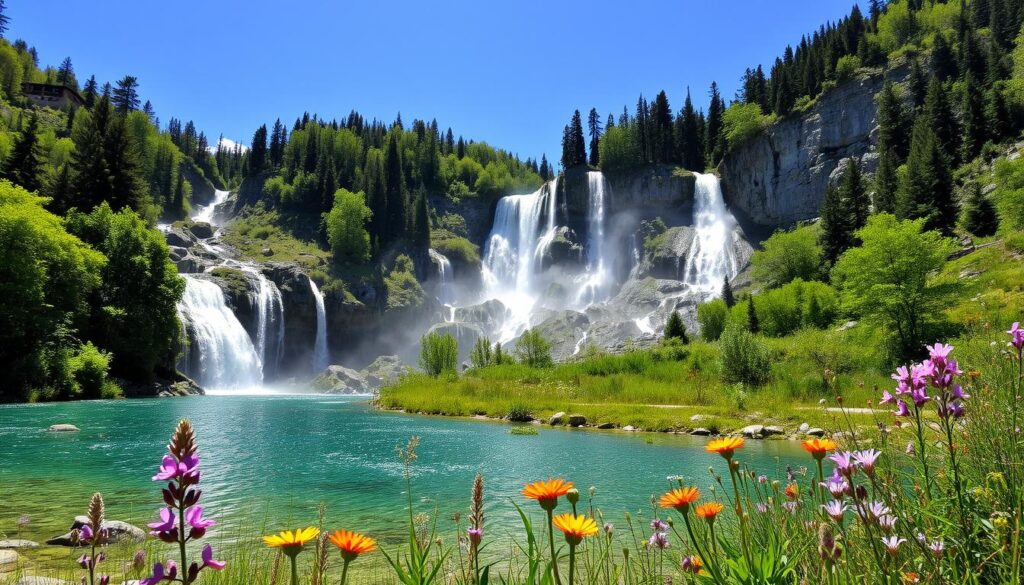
(510, 73)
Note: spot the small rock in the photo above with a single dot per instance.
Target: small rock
(773, 430)
(605, 426)
(846, 326)
(700, 432)
(815, 432)
(17, 543)
(753, 431)
(556, 419)
(804, 427)
(8, 561)
(577, 420)
(31, 580)
(116, 531)
(268, 251)
(696, 417)
(63, 428)
(629, 428)
(968, 273)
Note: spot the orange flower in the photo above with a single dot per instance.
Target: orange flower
(709, 511)
(911, 577)
(792, 491)
(547, 492)
(352, 544)
(692, 564)
(725, 446)
(575, 528)
(680, 498)
(819, 447)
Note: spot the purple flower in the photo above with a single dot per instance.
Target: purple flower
(844, 462)
(887, 522)
(791, 506)
(920, 396)
(910, 448)
(836, 485)
(762, 507)
(475, 535)
(166, 524)
(659, 525)
(866, 460)
(887, 398)
(659, 540)
(836, 509)
(208, 560)
(901, 408)
(195, 519)
(892, 543)
(762, 479)
(937, 547)
(1016, 336)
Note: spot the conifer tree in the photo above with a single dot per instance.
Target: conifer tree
(126, 97)
(421, 222)
(997, 114)
(943, 62)
(975, 131)
(595, 129)
(66, 74)
(58, 189)
(939, 113)
(980, 217)
(855, 196)
(90, 92)
(5, 21)
(545, 169)
(918, 84)
(258, 151)
(886, 183)
(715, 128)
(88, 159)
(661, 129)
(843, 211)
(376, 198)
(24, 165)
(691, 150)
(574, 150)
(927, 189)
(727, 295)
(394, 189)
(893, 129)
(674, 328)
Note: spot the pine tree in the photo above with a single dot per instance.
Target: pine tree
(887, 183)
(975, 130)
(58, 189)
(927, 189)
(939, 113)
(893, 130)
(90, 92)
(394, 189)
(24, 166)
(674, 328)
(661, 129)
(545, 169)
(421, 223)
(943, 62)
(147, 108)
(918, 84)
(5, 21)
(574, 150)
(126, 97)
(595, 129)
(980, 217)
(691, 150)
(753, 323)
(258, 151)
(835, 236)
(997, 115)
(727, 295)
(376, 198)
(66, 74)
(90, 172)
(855, 197)
(715, 128)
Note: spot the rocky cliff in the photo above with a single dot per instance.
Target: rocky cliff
(780, 177)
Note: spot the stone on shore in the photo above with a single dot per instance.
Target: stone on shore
(753, 431)
(773, 430)
(629, 428)
(700, 432)
(556, 419)
(816, 432)
(577, 420)
(8, 561)
(116, 531)
(32, 580)
(63, 428)
(605, 426)
(13, 543)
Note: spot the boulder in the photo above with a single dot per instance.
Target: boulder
(13, 543)
(606, 426)
(773, 430)
(340, 380)
(556, 419)
(116, 532)
(804, 427)
(383, 371)
(63, 428)
(563, 330)
(488, 315)
(8, 561)
(179, 237)
(563, 251)
(846, 326)
(700, 432)
(629, 428)
(696, 417)
(577, 420)
(815, 432)
(201, 230)
(753, 431)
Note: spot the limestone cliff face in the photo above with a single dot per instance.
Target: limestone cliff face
(651, 189)
(780, 177)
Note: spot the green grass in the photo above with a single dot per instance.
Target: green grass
(258, 230)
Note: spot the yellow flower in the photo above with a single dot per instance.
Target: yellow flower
(291, 542)
(575, 528)
(547, 492)
(725, 446)
(680, 498)
(352, 544)
(709, 511)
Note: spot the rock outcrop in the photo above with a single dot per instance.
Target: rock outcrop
(780, 176)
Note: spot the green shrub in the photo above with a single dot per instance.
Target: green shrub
(743, 122)
(403, 288)
(523, 430)
(533, 350)
(438, 353)
(798, 304)
(744, 357)
(846, 67)
(458, 249)
(711, 316)
(519, 412)
(787, 256)
(89, 368)
(675, 329)
(346, 227)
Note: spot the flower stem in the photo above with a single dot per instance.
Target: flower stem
(295, 571)
(572, 561)
(344, 571)
(551, 541)
(921, 453)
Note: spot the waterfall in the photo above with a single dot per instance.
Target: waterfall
(595, 282)
(320, 357)
(207, 213)
(712, 256)
(269, 320)
(444, 269)
(227, 358)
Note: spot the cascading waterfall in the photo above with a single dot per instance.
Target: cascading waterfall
(595, 282)
(712, 256)
(207, 213)
(226, 356)
(444, 270)
(320, 357)
(269, 320)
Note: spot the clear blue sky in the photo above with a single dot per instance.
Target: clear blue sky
(510, 73)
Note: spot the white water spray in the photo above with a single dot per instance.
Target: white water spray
(320, 357)
(712, 256)
(445, 276)
(269, 320)
(207, 213)
(595, 283)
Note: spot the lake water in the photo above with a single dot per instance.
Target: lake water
(269, 460)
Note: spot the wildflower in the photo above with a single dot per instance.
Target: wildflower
(762, 507)
(680, 499)
(892, 544)
(902, 409)
(352, 544)
(547, 492)
(725, 446)
(835, 509)
(139, 560)
(1016, 336)
(911, 577)
(709, 510)
(887, 522)
(791, 507)
(165, 528)
(659, 525)
(937, 547)
(291, 542)
(573, 496)
(910, 448)
(877, 509)
(609, 528)
(159, 574)
(476, 516)
(762, 479)
(792, 491)
(828, 550)
(575, 528)
(475, 535)
(887, 398)
(844, 463)
(866, 460)
(818, 448)
(692, 564)
(659, 540)
(836, 485)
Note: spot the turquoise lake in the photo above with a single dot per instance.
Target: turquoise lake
(268, 461)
